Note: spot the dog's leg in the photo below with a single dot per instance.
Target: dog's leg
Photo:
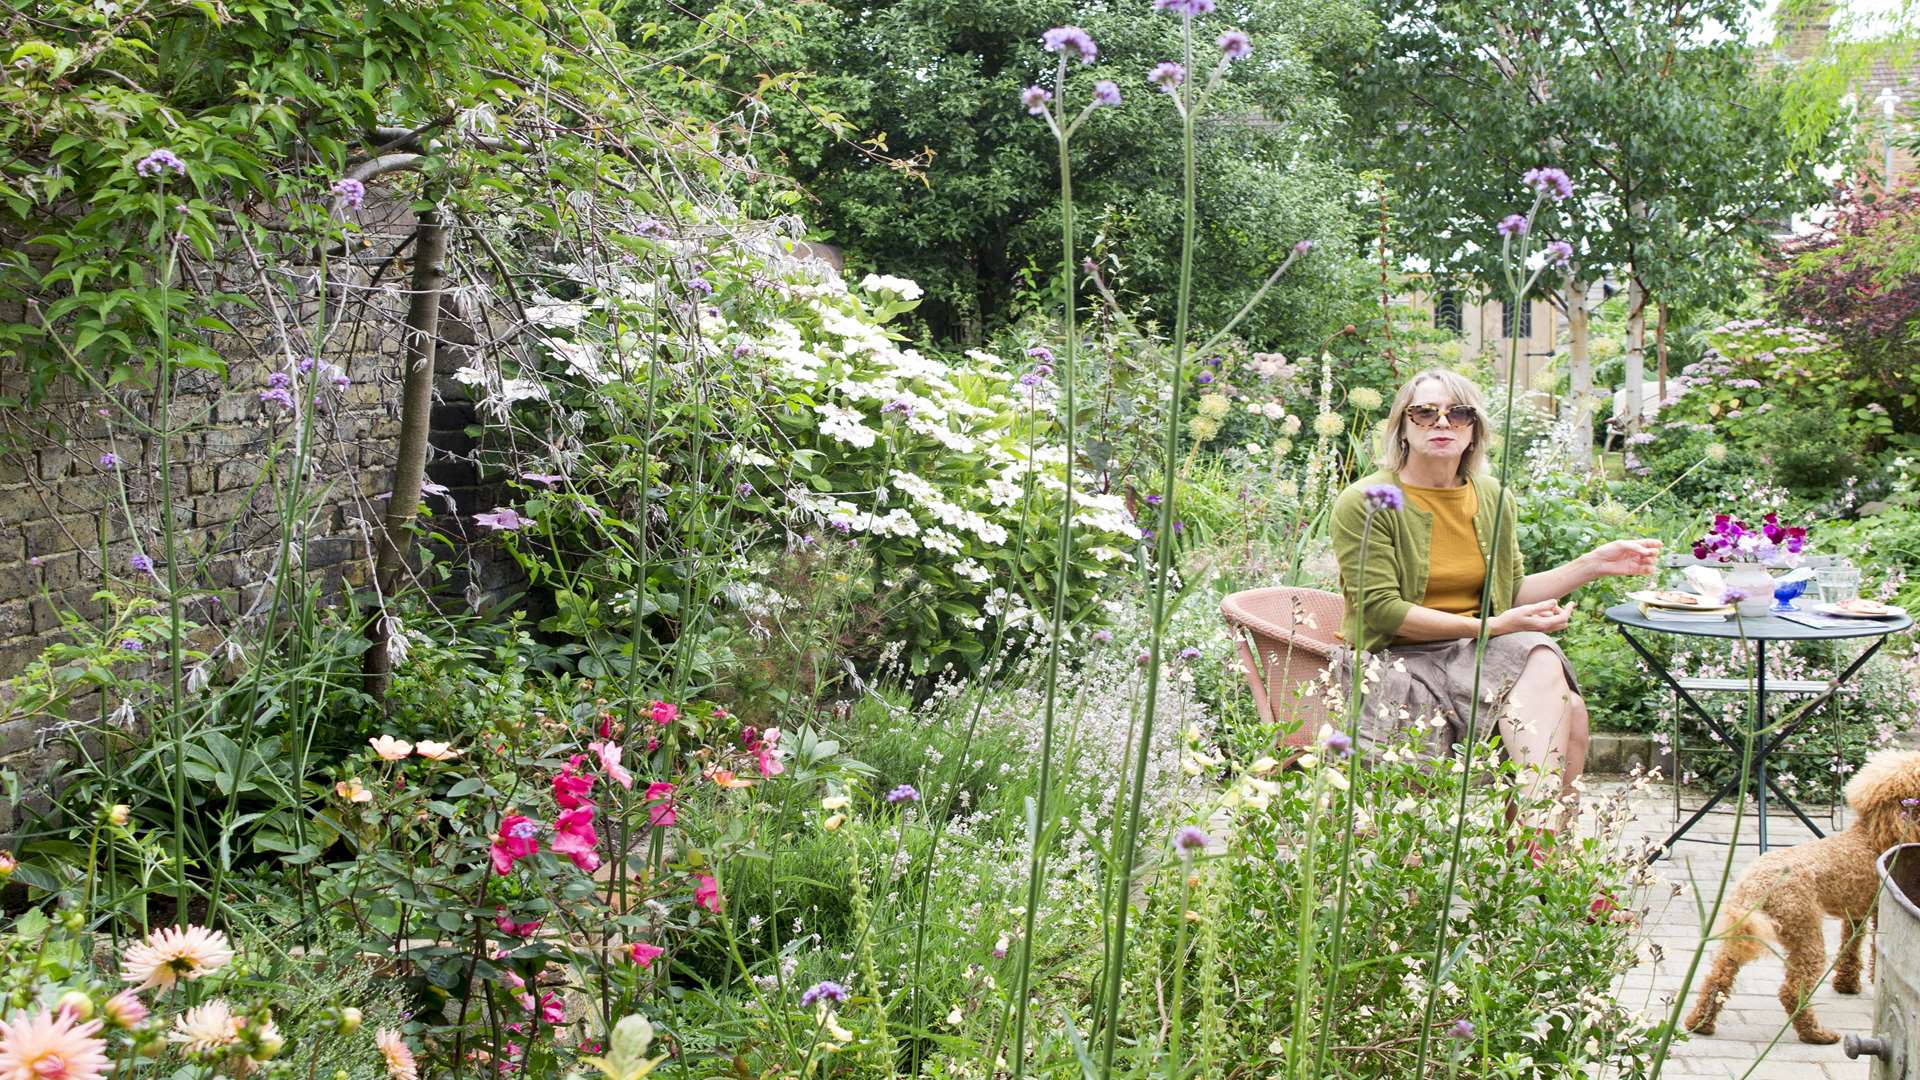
(1806, 960)
(1718, 985)
(1846, 970)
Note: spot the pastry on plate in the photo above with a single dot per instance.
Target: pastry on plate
(1860, 605)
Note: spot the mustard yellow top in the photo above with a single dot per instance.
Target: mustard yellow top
(1456, 571)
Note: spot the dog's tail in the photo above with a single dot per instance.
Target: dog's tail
(1744, 934)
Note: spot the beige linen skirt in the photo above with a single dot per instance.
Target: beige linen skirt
(1429, 688)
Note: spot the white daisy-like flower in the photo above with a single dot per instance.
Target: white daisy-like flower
(206, 1027)
(174, 954)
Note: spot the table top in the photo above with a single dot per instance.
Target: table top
(1769, 628)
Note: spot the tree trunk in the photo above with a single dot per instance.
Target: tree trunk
(395, 539)
(1579, 369)
(1636, 355)
(1660, 348)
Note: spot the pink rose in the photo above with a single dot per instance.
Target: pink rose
(570, 788)
(609, 754)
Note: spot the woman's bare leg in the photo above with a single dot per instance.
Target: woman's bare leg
(1543, 722)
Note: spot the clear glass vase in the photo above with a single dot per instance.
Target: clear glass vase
(1753, 580)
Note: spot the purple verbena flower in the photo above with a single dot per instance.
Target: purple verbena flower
(745, 490)
(140, 563)
(277, 396)
(1234, 45)
(1383, 497)
(1106, 93)
(1461, 1029)
(279, 380)
(1189, 838)
(1559, 253)
(1512, 225)
(1143, 659)
(350, 192)
(1184, 7)
(1031, 378)
(1034, 99)
(1072, 41)
(340, 380)
(307, 364)
(1167, 76)
(1204, 378)
(899, 405)
(1552, 183)
(1041, 353)
(903, 793)
(1102, 637)
(700, 285)
(503, 518)
(109, 460)
(133, 645)
(1153, 500)
(1733, 596)
(825, 990)
(1340, 744)
(1302, 247)
(543, 479)
(159, 161)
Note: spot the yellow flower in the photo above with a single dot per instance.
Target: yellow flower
(1203, 428)
(1364, 398)
(1263, 766)
(173, 954)
(834, 802)
(1327, 425)
(834, 822)
(626, 1057)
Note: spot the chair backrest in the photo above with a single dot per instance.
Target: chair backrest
(1287, 638)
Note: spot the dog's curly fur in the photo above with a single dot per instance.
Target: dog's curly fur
(1783, 898)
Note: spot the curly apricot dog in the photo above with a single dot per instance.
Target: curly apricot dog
(1784, 897)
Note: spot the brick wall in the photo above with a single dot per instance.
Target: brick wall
(69, 526)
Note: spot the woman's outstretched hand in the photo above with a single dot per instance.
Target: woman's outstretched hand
(1544, 617)
(1625, 558)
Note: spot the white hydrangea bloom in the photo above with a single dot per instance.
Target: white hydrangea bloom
(901, 287)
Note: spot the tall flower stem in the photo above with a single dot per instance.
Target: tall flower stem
(1036, 858)
(1163, 560)
(1500, 523)
(1337, 951)
(1726, 866)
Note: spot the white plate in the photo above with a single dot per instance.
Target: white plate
(1650, 598)
(1842, 613)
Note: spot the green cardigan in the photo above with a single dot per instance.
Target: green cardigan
(1399, 555)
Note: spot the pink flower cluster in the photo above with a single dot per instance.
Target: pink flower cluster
(573, 833)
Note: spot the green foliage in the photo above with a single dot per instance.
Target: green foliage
(792, 417)
(970, 211)
(1680, 146)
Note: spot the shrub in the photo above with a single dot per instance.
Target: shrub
(779, 413)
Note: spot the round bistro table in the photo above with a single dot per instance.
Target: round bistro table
(1760, 632)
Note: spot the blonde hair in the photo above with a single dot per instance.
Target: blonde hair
(1394, 451)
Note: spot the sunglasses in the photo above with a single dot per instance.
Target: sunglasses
(1429, 415)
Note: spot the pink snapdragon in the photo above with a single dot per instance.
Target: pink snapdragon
(571, 786)
(573, 836)
(660, 807)
(644, 953)
(707, 895)
(767, 753)
(609, 754)
(519, 838)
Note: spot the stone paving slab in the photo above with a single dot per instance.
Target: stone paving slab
(1753, 1017)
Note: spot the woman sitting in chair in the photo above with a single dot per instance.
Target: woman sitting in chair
(1428, 567)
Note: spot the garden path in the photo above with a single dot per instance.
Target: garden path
(1753, 1016)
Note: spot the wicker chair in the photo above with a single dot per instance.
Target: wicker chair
(1287, 638)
